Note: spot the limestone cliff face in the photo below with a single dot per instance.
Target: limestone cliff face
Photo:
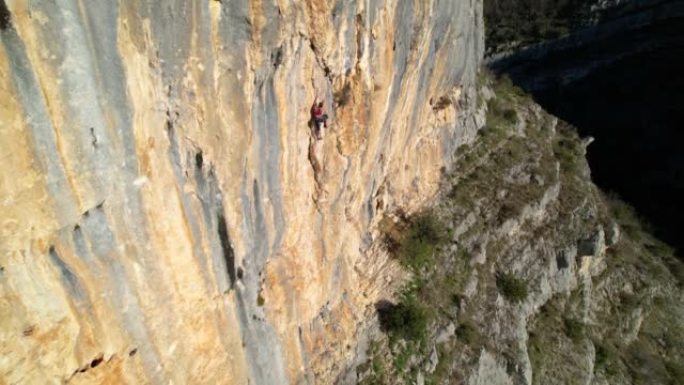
(167, 216)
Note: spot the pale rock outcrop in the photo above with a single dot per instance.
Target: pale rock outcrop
(489, 372)
(167, 216)
(612, 234)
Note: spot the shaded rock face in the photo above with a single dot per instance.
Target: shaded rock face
(620, 82)
(166, 213)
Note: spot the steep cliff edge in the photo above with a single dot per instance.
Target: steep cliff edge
(534, 276)
(166, 213)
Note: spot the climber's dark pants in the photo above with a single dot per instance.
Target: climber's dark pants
(317, 124)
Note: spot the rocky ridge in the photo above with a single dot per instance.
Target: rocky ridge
(540, 278)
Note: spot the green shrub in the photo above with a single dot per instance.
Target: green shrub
(601, 356)
(606, 359)
(660, 249)
(426, 227)
(568, 149)
(446, 354)
(378, 366)
(505, 87)
(401, 359)
(407, 319)
(260, 300)
(512, 288)
(574, 329)
(677, 270)
(628, 302)
(536, 349)
(468, 333)
(496, 123)
(415, 253)
(644, 363)
(375, 366)
(676, 370)
(501, 110)
(508, 210)
(510, 115)
(621, 210)
(418, 245)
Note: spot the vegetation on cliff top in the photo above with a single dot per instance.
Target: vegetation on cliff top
(513, 288)
(521, 22)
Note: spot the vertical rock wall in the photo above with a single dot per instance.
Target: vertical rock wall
(167, 216)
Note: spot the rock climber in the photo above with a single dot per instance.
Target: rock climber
(319, 118)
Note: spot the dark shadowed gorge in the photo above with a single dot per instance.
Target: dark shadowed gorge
(620, 81)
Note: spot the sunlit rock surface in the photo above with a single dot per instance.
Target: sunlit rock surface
(167, 216)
